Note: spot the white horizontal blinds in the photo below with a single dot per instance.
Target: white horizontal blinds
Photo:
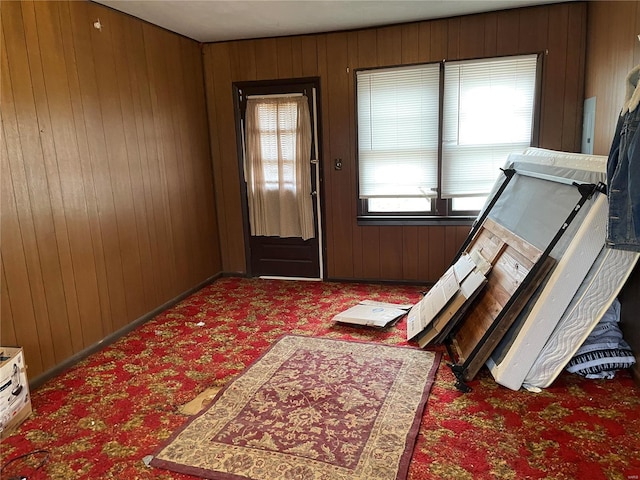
(398, 131)
(488, 113)
(277, 120)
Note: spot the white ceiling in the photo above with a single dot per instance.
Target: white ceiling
(219, 20)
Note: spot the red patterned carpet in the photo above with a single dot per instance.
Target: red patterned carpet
(102, 417)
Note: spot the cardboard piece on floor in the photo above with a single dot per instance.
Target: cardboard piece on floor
(15, 401)
(371, 313)
(438, 307)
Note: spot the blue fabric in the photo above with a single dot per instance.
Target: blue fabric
(623, 178)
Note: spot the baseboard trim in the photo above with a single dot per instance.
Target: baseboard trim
(112, 337)
(379, 281)
(293, 279)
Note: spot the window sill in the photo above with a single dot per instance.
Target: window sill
(382, 220)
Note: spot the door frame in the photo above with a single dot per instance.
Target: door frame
(274, 87)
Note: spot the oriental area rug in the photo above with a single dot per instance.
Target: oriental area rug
(311, 408)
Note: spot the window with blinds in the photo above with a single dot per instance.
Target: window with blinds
(397, 141)
(486, 111)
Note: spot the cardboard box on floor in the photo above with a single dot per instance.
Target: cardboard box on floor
(447, 300)
(15, 401)
(371, 313)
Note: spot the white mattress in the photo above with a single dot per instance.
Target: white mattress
(598, 290)
(512, 366)
(580, 161)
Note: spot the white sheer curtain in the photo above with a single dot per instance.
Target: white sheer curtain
(277, 167)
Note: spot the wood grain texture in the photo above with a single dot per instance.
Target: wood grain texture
(410, 45)
(512, 259)
(107, 187)
(573, 101)
(476, 361)
(356, 232)
(285, 57)
(389, 45)
(472, 34)
(490, 34)
(361, 252)
(391, 253)
(533, 30)
(611, 53)
(552, 114)
(243, 60)
(338, 182)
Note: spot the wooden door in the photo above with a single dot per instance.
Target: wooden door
(273, 255)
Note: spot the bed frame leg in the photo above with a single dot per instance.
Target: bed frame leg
(458, 371)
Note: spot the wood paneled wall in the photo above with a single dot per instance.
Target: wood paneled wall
(613, 49)
(107, 192)
(409, 253)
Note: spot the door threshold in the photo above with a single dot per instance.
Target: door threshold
(300, 279)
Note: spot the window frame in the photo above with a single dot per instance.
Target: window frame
(441, 209)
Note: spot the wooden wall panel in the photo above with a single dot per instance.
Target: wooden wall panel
(613, 49)
(296, 57)
(554, 74)
(267, 58)
(243, 60)
(33, 198)
(21, 302)
(508, 32)
(389, 42)
(410, 43)
(453, 39)
(611, 53)
(391, 250)
(285, 57)
(83, 298)
(490, 34)
(107, 187)
(227, 174)
(371, 252)
(472, 35)
(367, 49)
(410, 267)
(424, 41)
(436, 252)
(356, 232)
(308, 47)
(200, 183)
(574, 86)
(407, 253)
(438, 43)
(338, 182)
(117, 171)
(98, 195)
(533, 30)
